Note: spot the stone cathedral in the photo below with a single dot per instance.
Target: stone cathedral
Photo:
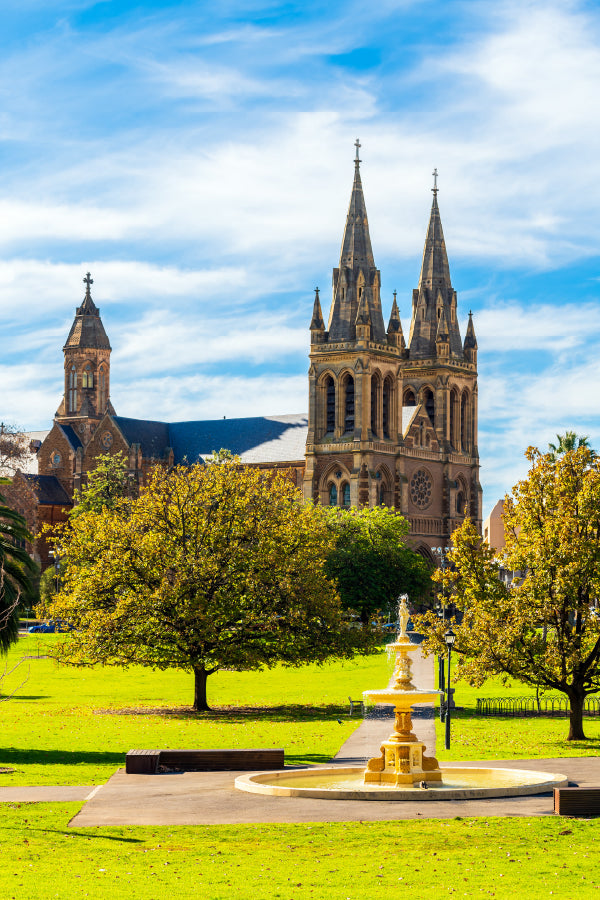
(390, 420)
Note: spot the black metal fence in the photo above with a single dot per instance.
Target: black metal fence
(533, 706)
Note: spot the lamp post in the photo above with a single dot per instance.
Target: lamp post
(449, 637)
(441, 553)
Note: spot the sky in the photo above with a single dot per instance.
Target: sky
(197, 159)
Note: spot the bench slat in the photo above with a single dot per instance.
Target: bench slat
(146, 762)
(577, 801)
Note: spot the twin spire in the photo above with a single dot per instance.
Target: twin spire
(356, 290)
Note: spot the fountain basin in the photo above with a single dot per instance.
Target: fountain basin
(347, 783)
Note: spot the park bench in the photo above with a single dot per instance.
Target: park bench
(577, 801)
(359, 704)
(147, 762)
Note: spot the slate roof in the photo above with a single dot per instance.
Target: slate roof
(153, 436)
(49, 490)
(261, 439)
(71, 435)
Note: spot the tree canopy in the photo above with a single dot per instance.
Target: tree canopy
(371, 562)
(544, 628)
(17, 571)
(107, 486)
(14, 449)
(212, 566)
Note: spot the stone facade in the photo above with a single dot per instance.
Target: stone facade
(390, 421)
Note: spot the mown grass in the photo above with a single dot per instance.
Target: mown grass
(43, 859)
(74, 726)
(503, 737)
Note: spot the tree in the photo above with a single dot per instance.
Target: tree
(544, 629)
(14, 449)
(17, 571)
(371, 563)
(212, 566)
(107, 486)
(567, 442)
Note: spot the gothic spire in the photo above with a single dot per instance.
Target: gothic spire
(356, 273)
(434, 296)
(87, 329)
(317, 323)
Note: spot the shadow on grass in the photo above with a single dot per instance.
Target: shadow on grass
(20, 756)
(236, 714)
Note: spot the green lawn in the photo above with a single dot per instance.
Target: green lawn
(500, 737)
(74, 726)
(42, 859)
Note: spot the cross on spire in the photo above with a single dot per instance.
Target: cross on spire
(88, 281)
(435, 188)
(358, 145)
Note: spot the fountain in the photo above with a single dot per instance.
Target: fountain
(401, 771)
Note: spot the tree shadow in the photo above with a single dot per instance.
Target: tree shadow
(238, 714)
(20, 756)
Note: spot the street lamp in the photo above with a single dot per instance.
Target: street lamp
(441, 553)
(449, 637)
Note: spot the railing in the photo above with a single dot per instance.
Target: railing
(528, 707)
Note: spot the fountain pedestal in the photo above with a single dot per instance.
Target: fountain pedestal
(402, 759)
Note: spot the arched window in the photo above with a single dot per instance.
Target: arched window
(464, 425)
(374, 404)
(429, 401)
(332, 494)
(346, 494)
(348, 404)
(381, 495)
(72, 399)
(329, 405)
(102, 375)
(87, 380)
(409, 398)
(385, 408)
(453, 419)
(460, 503)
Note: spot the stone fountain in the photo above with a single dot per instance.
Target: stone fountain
(402, 759)
(402, 770)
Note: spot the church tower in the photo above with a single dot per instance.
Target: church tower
(355, 379)
(87, 370)
(391, 422)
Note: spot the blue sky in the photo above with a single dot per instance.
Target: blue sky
(197, 159)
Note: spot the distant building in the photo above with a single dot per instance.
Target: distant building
(493, 527)
(390, 421)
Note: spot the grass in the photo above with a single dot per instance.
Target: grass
(486, 857)
(74, 726)
(502, 737)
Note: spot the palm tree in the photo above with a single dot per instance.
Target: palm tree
(17, 570)
(566, 443)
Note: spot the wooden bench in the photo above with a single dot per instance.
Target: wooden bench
(357, 703)
(147, 762)
(577, 801)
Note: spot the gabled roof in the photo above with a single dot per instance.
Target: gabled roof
(71, 435)
(49, 491)
(152, 436)
(260, 439)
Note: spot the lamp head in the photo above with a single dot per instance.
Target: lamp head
(449, 637)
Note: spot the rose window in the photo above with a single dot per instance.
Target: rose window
(420, 489)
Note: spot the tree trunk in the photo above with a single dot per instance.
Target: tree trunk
(200, 677)
(576, 719)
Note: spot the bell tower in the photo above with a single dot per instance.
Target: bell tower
(355, 378)
(87, 370)
(393, 422)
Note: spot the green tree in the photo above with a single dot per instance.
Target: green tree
(543, 629)
(371, 562)
(107, 486)
(566, 443)
(212, 566)
(17, 572)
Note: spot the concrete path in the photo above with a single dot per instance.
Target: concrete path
(210, 798)
(379, 721)
(66, 793)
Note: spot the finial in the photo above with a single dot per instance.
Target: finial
(358, 145)
(316, 293)
(88, 281)
(470, 314)
(395, 292)
(435, 188)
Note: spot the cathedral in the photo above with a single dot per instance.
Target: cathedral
(391, 420)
